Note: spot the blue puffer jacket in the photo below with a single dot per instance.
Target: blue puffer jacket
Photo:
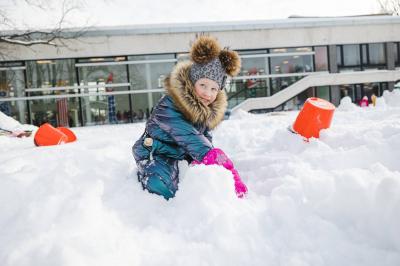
(179, 128)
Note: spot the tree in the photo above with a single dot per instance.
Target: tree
(390, 6)
(12, 32)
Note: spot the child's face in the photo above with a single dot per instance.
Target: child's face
(207, 90)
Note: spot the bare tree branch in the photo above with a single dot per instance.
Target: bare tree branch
(390, 6)
(54, 36)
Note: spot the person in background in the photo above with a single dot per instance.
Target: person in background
(373, 99)
(364, 102)
(179, 125)
(140, 114)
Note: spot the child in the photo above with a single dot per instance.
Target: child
(364, 102)
(178, 128)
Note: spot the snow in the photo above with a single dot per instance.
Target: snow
(329, 201)
(10, 124)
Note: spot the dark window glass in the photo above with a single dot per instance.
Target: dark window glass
(364, 54)
(323, 92)
(351, 55)
(376, 53)
(339, 55)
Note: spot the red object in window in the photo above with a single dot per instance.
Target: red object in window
(252, 83)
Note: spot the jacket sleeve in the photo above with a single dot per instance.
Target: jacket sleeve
(184, 133)
(208, 135)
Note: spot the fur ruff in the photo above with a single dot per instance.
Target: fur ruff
(181, 89)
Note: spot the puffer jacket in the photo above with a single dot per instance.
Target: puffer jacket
(179, 127)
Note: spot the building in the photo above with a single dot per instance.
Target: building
(115, 74)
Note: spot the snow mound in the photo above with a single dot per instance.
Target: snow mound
(346, 104)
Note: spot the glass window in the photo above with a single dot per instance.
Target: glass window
(323, 92)
(102, 78)
(50, 73)
(102, 59)
(351, 55)
(321, 58)
(148, 76)
(251, 66)
(284, 82)
(43, 78)
(12, 84)
(288, 64)
(397, 53)
(291, 64)
(376, 53)
(339, 55)
(291, 50)
(364, 49)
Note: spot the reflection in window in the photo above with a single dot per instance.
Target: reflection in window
(376, 53)
(291, 64)
(102, 78)
(323, 92)
(364, 49)
(321, 58)
(42, 77)
(50, 73)
(339, 55)
(291, 50)
(279, 84)
(12, 84)
(148, 76)
(251, 66)
(351, 55)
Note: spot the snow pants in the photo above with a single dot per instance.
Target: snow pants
(159, 175)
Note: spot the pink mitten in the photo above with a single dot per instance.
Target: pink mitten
(240, 187)
(218, 157)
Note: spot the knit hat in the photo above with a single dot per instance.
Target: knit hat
(212, 62)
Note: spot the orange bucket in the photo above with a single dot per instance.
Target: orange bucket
(47, 135)
(68, 132)
(315, 115)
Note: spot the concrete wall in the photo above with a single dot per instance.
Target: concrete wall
(286, 33)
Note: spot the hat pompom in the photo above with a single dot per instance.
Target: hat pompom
(204, 49)
(230, 61)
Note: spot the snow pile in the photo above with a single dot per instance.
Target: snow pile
(329, 201)
(346, 104)
(9, 123)
(392, 98)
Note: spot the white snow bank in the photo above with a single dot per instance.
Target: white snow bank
(330, 201)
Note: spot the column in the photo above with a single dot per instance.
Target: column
(335, 91)
(390, 64)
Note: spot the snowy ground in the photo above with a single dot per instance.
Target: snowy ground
(330, 201)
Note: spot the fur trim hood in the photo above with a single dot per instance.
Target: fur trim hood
(181, 89)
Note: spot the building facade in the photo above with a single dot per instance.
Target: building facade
(115, 74)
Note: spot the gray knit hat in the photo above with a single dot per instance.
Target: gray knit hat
(212, 70)
(212, 62)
